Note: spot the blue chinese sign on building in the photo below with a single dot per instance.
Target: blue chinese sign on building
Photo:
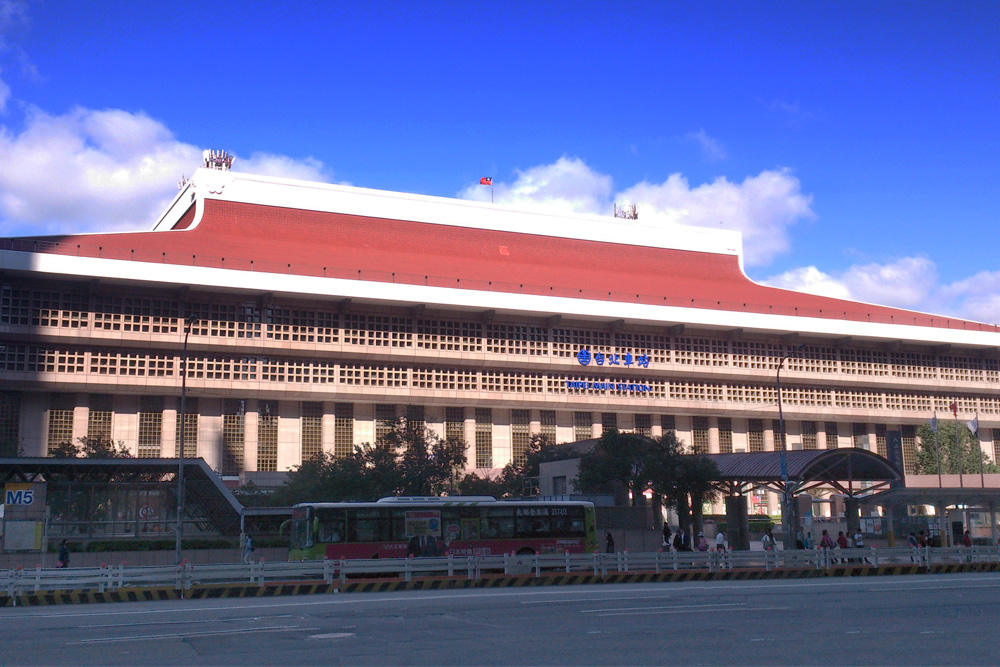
(612, 359)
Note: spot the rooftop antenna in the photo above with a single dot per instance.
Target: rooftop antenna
(220, 160)
(627, 212)
(184, 181)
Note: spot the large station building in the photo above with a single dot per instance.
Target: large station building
(322, 312)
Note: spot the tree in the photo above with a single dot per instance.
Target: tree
(410, 460)
(617, 458)
(948, 434)
(684, 481)
(516, 479)
(91, 447)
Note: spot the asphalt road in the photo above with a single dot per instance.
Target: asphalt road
(912, 620)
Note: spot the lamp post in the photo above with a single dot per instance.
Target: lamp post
(190, 320)
(786, 504)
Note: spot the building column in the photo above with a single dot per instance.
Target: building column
(289, 434)
(713, 435)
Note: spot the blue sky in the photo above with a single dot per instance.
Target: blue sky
(856, 145)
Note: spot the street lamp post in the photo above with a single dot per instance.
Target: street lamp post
(190, 320)
(786, 500)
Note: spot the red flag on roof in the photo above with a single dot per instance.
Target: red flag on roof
(486, 180)
(954, 409)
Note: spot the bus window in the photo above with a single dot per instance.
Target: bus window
(371, 525)
(331, 526)
(499, 523)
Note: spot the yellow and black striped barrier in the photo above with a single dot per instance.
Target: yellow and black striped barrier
(228, 591)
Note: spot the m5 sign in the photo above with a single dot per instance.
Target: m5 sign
(18, 494)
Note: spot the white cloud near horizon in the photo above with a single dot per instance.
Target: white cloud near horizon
(102, 170)
(762, 207)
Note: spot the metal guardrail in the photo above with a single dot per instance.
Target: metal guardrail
(117, 577)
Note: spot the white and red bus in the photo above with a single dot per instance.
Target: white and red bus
(398, 527)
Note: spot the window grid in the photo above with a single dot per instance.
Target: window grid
(311, 434)
(454, 423)
(484, 438)
(548, 425)
(150, 434)
(520, 435)
(644, 425)
(190, 428)
(755, 435)
(343, 429)
(233, 435)
(699, 435)
(582, 426)
(725, 435)
(809, 437)
(267, 436)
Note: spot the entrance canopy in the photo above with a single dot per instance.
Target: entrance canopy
(850, 471)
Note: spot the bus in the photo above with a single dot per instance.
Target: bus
(399, 527)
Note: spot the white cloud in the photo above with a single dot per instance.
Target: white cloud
(712, 150)
(810, 280)
(566, 186)
(762, 207)
(90, 170)
(978, 296)
(4, 94)
(269, 164)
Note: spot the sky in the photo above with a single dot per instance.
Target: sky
(856, 145)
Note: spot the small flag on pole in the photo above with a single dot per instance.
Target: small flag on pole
(973, 425)
(934, 426)
(954, 408)
(486, 180)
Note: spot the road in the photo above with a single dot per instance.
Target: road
(932, 619)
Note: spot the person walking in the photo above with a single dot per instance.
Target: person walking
(702, 542)
(720, 542)
(63, 554)
(609, 543)
(248, 550)
(666, 535)
(767, 540)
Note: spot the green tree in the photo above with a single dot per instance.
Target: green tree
(955, 442)
(516, 480)
(410, 460)
(91, 448)
(685, 481)
(617, 458)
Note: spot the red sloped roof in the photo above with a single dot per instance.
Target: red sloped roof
(243, 236)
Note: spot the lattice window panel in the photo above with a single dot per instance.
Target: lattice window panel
(451, 380)
(484, 438)
(14, 357)
(813, 359)
(302, 326)
(373, 376)
(267, 436)
(991, 370)
(520, 383)
(996, 444)
(862, 400)
(809, 435)
(960, 369)
(695, 391)
(60, 309)
(311, 430)
(909, 438)
(644, 425)
(227, 320)
(989, 405)
(859, 433)
(912, 365)
(10, 422)
(516, 339)
(725, 435)
(700, 351)
(343, 429)
(454, 423)
(310, 372)
(755, 435)
(657, 348)
(137, 365)
(909, 402)
(609, 420)
(135, 314)
(385, 417)
(548, 425)
(190, 428)
(754, 394)
(567, 342)
(150, 433)
(378, 330)
(880, 444)
(15, 306)
(832, 435)
(449, 335)
(864, 362)
(699, 435)
(520, 435)
(99, 417)
(583, 427)
(756, 355)
(233, 435)
(43, 360)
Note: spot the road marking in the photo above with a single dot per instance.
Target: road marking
(682, 606)
(604, 599)
(331, 635)
(187, 635)
(699, 610)
(236, 619)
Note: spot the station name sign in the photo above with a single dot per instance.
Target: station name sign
(584, 356)
(608, 386)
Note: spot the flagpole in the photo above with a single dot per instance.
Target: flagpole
(491, 190)
(958, 446)
(979, 451)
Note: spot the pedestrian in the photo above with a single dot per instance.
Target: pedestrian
(63, 554)
(248, 550)
(767, 540)
(859, 539)
(800, 540)
(912, 540)
(679, 540)
(966, 539)
(666, 534)
(807, 540)
(702, 542)
(720, 542)
(825, 541)
(610, 542)
(921, 540)
(841, 540)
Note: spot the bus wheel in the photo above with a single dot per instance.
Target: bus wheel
(526, 551)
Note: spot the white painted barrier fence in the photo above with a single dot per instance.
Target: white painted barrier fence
(110, 578)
